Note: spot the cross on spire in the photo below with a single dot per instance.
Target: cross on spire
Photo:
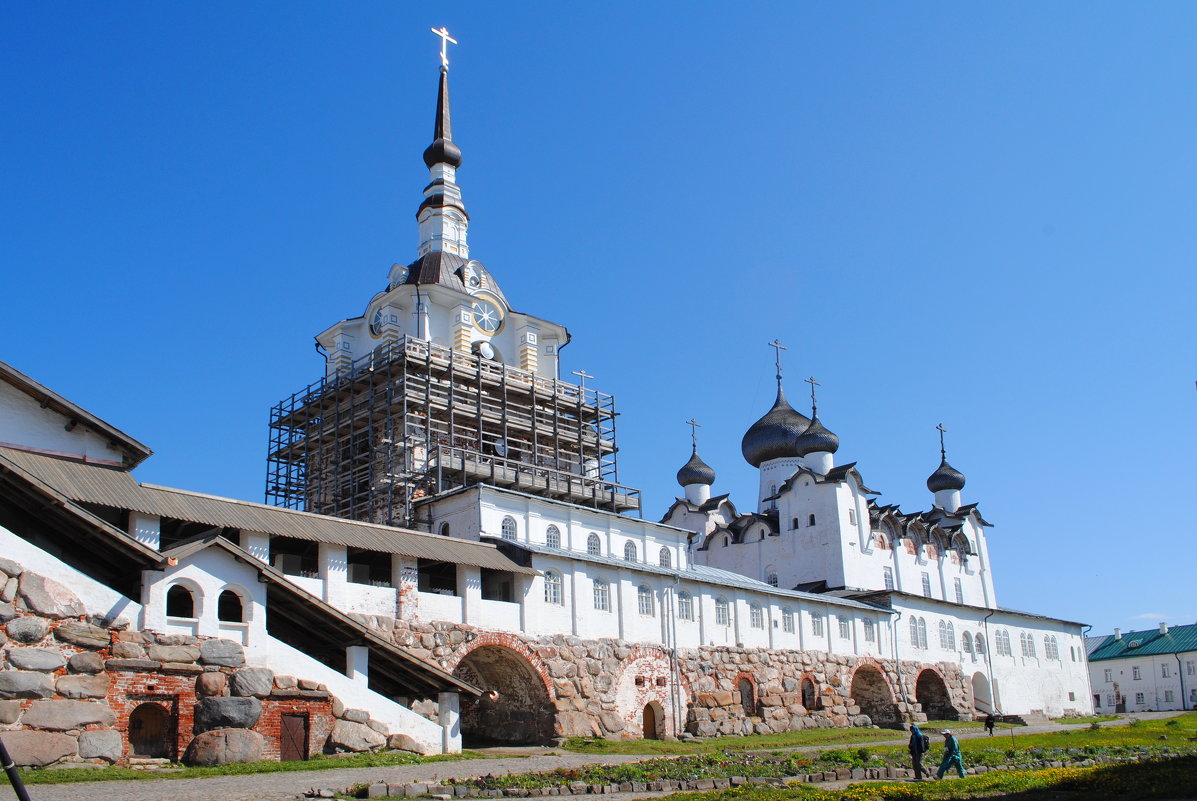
(778, 348)
(814, 407)
(446, 40)
(582, 375)
(694, 426)
(942, 451)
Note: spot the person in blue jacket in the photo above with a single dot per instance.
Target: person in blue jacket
(951, 755)
(918, 746)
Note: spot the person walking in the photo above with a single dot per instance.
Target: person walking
(989, 721)
(918, 745)
(951, 755)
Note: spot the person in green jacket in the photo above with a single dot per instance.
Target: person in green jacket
(951, 755)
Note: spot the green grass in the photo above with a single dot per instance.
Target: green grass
(1090, 719)
(933, 726)
(755, 742)
(320, 762)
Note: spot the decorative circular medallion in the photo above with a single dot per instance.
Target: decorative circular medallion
(376, 323)
(487, 316)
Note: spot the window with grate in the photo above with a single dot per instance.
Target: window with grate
(845, 627)
(887, 573)
(927, 585)
(508, 528)
(816, 625)
(870, 631)
(552, 537)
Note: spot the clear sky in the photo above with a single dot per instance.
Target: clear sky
(975, 214)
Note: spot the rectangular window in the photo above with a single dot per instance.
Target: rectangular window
(1138, 698)
(888, 574)
(1169, 697)
(1110, 699)
(685, 607)
(816, 625)
(602, 596)
(787, 621)
(1190, 668)
(722, 613)
(845, 627)
(927, 585)
(852, 517)
(1193, 694)
(1109, 674)
(959, 592)
(1072, 696)
(756, 617)
(870, 631)
(1136, 673)
(1165, 672)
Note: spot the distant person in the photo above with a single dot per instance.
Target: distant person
(989, 721)
(951, 755)
(919, 745)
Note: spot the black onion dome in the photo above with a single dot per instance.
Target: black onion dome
(817, 439)
(442, 150)
(945, 477)
(695, 471)
(775, 435)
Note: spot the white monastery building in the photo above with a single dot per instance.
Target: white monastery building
(1144, 671)
(447, 546)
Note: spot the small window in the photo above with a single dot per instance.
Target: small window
(812, 520)
(922, 634)
(870, 631)
(444, 529)
(756, 616)
(852, 517)
(629, 551)
(229, 608)
(966, 642)
(926, 585)
(810, 699)
(771, 579)
(1109, 675)
(887, 573)
(726, 541)
(685, 606)
(959, 592)
(794, 523)
(1193, 694)
(552, 537)
(816, 625)
(602, 596)
(644, 598)
(1136, 673)
(509, 528)
(594, 545)
(787, 621)
(722, 613)
(979, 645)
(1165, 672)
(180, 602)
(552, 588)
(914, 632)
(845, 627)
(1169, 697)
(1190, 668)
(665, 559)
(1139, 698)
(1072, 696)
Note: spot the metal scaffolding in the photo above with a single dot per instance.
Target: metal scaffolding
(414, 419)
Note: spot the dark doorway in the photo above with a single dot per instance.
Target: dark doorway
(515, 708)
(293, 738)
(651, 722)
(932, 693)
(810, 699)
(151, 732)
(747, 697)
(872, 695)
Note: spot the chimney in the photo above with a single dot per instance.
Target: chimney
(1117, 634)
(1163, 628)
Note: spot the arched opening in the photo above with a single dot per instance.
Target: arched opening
(747, 697)
(932, 693)
(654, 720)
(151, 733)
(515, 708)
(810, 699)
(229, 608)
(982, 695)
(870, 692)
(180, 602)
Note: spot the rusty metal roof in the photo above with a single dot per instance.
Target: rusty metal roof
(117, 489)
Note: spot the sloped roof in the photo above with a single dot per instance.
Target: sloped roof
(135, 452)
(1146, 643)
(119, 490)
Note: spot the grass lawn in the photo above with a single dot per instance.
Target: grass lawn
(1090, 719)
(52, 776)
(933, 726)
(755, 742)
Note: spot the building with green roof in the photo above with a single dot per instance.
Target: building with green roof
(1144, 671)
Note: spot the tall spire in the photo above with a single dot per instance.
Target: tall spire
(442, 216)
(442, 150)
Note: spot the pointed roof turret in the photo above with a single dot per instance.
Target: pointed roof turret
(945, 476)
(442, 150)
(775, 435)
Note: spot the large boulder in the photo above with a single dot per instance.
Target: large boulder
(25, 684)
(84, 686)
(173, 653)
(225, 653)
(85, 662)
(49, 598)
(7, 611)
(67, 715)
(405, 742)
(35, 659)
(85, 635)
(225, 746)
(127, 650)
(28, 629)
(253, 681)
(37, 748)
(227, 713)
(10, 568)
(100, 744)
(211, 683)
(10, 711)
(349, 736)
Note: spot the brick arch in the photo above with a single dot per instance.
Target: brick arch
(518, 705)
(454, 659)
(816, 694)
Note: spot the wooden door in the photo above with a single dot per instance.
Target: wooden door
(150, 731)
(293, 738)
(650, 722)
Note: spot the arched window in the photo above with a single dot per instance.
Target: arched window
(552, 588)
(1051, 648)
(922, 633)
(810, 698)
(602, 595)
(771, 579)
(229, 608)
(509, 528)
(951, 637)
(747, 697)
(1003, 643)
(594, 546)
(180, 602)
(812, 520)
(444, 529)
(552, 537)
(756, 616)
(665, 559)
(1028, 644)
(629, 551)
(645, 601)
(979, 645)
(722, 613)
(685, 606)
(966, 642)
(914, 632)
(794, 523)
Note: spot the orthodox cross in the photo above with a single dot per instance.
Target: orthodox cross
(942, 452)
(778, 348)
(694, 426)
(446, 39)
(814, 408)
(583, 375)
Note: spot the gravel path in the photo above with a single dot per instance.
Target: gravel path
(286, 786)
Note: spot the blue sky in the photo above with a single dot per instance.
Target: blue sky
(974, 214)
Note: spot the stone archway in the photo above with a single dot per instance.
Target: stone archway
(654, 720)
(872, 694)
(151, 732)
(515, 707)
(982, 696)
(932, 693)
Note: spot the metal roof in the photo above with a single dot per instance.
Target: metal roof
(118, 489)
(886, 596)
(1145, 643)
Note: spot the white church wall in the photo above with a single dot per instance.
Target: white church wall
(24, 423)
(820, 544)
(206, 575)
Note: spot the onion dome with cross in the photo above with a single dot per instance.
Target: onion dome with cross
(816, 438)
(774, 436)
